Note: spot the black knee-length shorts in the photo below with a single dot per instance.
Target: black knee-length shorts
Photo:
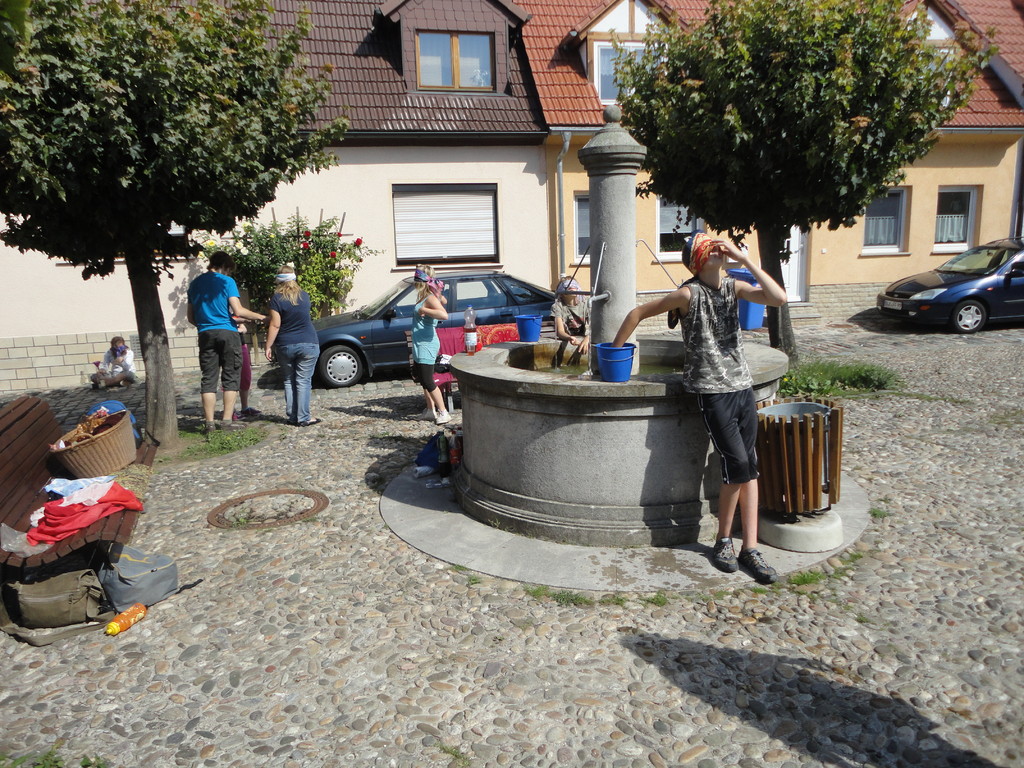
(731, 420)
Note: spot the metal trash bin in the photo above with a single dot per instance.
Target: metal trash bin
(799, 451)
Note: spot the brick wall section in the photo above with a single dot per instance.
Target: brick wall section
(46, 362)
(840, 302)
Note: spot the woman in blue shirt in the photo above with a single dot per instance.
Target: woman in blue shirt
(292, 337)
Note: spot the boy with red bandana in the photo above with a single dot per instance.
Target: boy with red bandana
(715, 370)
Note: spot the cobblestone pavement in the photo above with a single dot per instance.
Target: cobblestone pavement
(332, 643)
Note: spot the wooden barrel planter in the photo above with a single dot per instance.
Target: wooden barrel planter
(799, 451)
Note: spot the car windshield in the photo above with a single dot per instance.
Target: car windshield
(384, 299)
(978, 261)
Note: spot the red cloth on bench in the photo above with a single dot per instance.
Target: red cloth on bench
(61, 521)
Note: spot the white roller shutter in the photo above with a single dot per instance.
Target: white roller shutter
(445, 222)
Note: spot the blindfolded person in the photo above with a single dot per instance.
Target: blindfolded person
(715, 370)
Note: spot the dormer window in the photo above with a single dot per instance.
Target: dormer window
(455, 60)
(604, 76)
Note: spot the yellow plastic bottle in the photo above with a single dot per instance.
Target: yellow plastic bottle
(125, 619)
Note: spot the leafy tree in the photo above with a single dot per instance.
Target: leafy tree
(325, 265)
(14, 30)
(124, 116)
(779, 113)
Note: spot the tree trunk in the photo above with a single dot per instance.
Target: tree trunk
(161, 426)
(771, 242)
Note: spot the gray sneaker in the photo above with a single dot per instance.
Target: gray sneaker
(753, 562)
(233, 426)
(724, 556)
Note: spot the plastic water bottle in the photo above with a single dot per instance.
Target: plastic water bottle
(444, 462)
(455, 448)
(126, 619)
(470, 329)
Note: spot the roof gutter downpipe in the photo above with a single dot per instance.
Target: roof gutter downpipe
(561, 205)
(1017, 225)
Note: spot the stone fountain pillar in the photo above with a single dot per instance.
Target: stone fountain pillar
(612, 159)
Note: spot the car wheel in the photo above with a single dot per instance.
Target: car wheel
(340, 366)
(968, 316)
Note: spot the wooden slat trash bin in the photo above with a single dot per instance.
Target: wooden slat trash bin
(799, 452)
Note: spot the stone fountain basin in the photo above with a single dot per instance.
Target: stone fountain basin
(590, 462)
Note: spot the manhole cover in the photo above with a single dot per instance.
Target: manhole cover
(268, 509)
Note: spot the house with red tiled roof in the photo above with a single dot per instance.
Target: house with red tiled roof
(965, 192)
(466, 118)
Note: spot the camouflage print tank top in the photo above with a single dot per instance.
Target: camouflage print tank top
(714, 360)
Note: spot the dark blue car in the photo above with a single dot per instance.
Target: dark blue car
(355, 344)
(982, 284)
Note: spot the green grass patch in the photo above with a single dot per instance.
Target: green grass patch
(659, 599)
(459, 568)
(200, 446)
(562, 597)
(1009, 418)
(49, 759)
(826, 378)
(878, 514)
(618, 600)
(806, 577)
(472, 580)
(455, 753)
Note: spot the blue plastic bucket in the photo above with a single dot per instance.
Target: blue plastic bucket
(751, 314)
(528, 327)
(615, 363)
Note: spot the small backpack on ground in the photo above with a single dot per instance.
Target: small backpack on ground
(133, 577)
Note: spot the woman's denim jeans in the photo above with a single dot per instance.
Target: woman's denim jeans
(297, 363)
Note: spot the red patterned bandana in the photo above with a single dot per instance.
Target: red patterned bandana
(700, 248)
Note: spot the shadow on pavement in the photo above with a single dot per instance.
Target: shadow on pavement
(797, 700)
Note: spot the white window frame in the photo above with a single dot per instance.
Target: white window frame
(901, 228)
(445, 222)
(694, 225)
(602, 45)
(959, 246)
(578, 257)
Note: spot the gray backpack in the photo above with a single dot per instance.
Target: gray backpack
(135, 577)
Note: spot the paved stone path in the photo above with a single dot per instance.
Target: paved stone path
(332, 643)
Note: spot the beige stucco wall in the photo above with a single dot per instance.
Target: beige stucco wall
(987, 162)
(53, 324)
(360, 189)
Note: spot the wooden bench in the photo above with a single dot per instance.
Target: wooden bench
(453, 341)
(27, 429)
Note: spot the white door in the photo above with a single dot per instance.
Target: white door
(794, 271)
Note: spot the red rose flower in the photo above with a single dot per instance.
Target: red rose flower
(305, 246)
(333, 254)
(359, 241)
(306, 233)
(338, 234)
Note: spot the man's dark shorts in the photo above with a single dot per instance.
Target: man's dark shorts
(220, 352)
(731, 420)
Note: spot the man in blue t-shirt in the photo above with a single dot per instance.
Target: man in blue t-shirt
(212, 299)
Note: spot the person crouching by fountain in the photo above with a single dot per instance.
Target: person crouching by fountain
(572, 316)
(428, 312)
(715, 369)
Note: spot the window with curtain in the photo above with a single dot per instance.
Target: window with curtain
(604, 66)
(954, 217)
(884, 223)
(455, 60)
(445, 222)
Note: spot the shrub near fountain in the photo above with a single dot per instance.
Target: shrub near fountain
(586, 461)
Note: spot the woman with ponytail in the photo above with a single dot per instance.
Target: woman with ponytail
(293, 339)
(428, 313)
